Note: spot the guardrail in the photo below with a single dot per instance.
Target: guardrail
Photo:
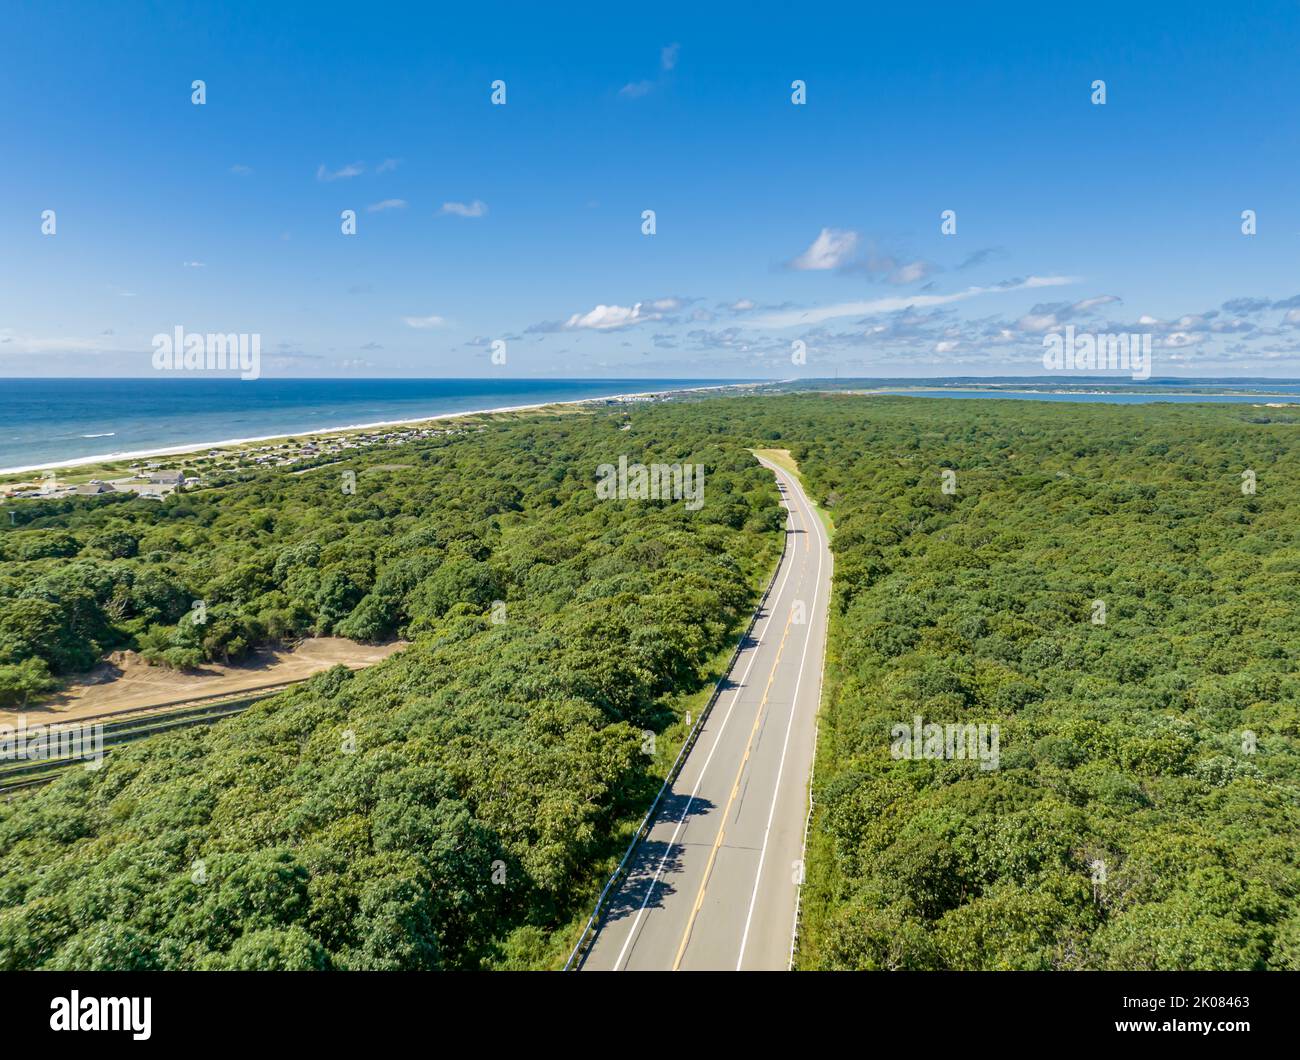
(620, 873)
(16, 774)
(803, 852)
(812, 778)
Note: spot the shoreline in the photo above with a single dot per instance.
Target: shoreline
(230, 443)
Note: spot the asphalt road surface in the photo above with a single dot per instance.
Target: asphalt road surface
(714, 884)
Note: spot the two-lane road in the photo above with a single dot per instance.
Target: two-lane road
(714, 884)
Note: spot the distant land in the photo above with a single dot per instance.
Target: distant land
(87, 423)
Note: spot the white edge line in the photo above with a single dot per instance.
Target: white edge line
(703, 770)
(812, 772)
(794, 706)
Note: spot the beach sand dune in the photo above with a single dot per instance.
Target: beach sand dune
(126, 684)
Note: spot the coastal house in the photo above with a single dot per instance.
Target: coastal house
(94, 489)
(166, 478)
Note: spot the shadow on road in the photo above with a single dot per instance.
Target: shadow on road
(649, 854)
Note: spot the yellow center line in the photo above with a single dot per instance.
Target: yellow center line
(735, 787)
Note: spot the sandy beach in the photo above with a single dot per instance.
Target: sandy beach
(228, 443)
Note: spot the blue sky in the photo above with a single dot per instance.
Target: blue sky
(774, 222)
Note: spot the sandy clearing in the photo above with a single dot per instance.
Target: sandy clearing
(127, 684)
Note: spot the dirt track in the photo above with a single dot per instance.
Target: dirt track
(131, 685)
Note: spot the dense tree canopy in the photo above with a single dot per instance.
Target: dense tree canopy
(447, 808)
(1100, 587)
(1145, 811)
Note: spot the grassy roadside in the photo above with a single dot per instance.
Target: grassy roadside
(553, 949)
(816, 886)
(820, 886)
(785, 460)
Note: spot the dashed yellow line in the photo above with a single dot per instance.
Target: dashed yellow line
(735, 787)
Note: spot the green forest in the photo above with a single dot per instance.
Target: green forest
(451, 807)
(1146, 812)
(457, 805)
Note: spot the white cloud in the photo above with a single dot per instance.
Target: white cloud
(743, 305)
(387, 204)
(241, 170)
(424, 322)
(667, 61)
(477, 208)
(387, 165)
(795, 317)
(1037, 322)
(911, 272)
(1092, 303)
(832, 248)
(637, 89)
(353, 170)
(34, 344)
(193, 265)
(607, 317)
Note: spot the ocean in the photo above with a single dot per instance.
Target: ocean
(46, 421)
(49, 421)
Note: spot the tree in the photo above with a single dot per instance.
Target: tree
(20, 681)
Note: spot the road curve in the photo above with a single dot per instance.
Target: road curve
(714, 884)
